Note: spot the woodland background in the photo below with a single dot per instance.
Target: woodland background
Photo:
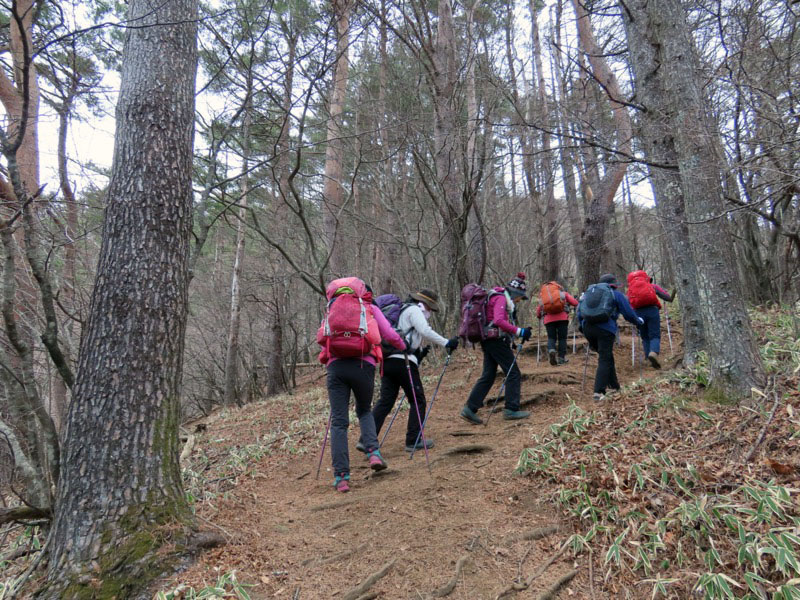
(411, 143)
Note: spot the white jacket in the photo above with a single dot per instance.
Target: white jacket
(414, 327)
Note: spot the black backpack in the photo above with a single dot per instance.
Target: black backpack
(598, 304)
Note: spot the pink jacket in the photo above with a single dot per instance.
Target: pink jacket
(497, 312)
(387, 333)
(562, 316)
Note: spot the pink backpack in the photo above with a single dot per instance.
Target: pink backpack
(348, 329)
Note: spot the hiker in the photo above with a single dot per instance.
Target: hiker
(598, 310)
(350, 336)
(413, 326)
(496, 347)
(554, 303)
(643, 296)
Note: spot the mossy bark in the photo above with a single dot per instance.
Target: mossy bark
(121, 514)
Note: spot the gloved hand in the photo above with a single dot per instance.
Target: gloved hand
(525, 334)
(452, 344)
(424, 352)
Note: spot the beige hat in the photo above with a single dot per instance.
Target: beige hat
(428, 297)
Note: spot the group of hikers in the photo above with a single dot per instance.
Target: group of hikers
(360, 332)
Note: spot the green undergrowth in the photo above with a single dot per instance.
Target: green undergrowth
(288, 424)
(226, 586)
(677, 492)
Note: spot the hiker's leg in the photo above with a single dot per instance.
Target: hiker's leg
(653, 321)
(504, 356)
(339, 397)
(642, 329)
(363, 385)
(552, 335)
(604, 341)
(561, 333)
(412, 427)
(612, 381)
(390, 385)
(486, 380)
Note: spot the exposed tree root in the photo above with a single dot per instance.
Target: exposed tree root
(465, 449)
(336, 504)
(309, 562)
(531, 534)
(358, 591)
(340, 524)
(23, 513)
(203, 540)
(368, 596)
(467, 433)
(524, 585)
(447, 588)
(551, 592)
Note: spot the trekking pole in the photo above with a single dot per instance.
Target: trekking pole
(669, 333)
(419, 417)
(538, 340)
(574, 333)
(430, 406)
(324, 442)
(633, 346)
(500, 393)
(396, 410)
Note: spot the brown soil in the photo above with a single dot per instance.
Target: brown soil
(292, 536)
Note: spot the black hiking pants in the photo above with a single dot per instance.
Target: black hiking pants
(557, 336)
(347, 375)
(395, 376)
(602, 342)
(496, 353)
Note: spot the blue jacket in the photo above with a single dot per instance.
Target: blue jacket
(623, 307)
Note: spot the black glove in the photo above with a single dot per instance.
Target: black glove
(424, 352)
(452, 344)
(525, 334)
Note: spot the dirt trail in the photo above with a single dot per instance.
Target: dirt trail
(292, 536)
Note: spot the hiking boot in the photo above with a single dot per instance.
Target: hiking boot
(360, 447)
(469, 415)
(419, 446)
(653, 358)
(513, 415)
(562, 360)
(552, 354)
(342, 483)
(376, 462)
(598, 397)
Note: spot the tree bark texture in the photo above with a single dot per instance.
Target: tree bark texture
(666, 74)
(333, 192)
(594, 230)
(120, 488)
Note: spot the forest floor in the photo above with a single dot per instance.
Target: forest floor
(290, 535)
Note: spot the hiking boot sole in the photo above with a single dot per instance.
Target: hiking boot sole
(553, 359)
(654, 362)
(378, 466)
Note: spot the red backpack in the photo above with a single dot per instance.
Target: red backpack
(552, 298)
(640, 290)
(348, 329)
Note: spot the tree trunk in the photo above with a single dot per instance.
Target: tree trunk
(229, 396)
(593, 240)
(333, 192)
(120, 493)
(666, 78)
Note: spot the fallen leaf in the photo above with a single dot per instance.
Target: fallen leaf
(780, 468)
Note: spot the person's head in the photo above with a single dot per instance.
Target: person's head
(610, 279)
(428, 297)
(517, 288)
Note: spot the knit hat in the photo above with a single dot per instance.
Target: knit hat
(428, 297)
(610, 280)
(516, 287)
